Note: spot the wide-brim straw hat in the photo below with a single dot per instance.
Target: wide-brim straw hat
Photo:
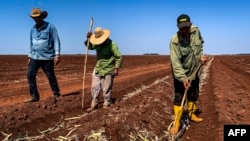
(99, 36)
(37, 12)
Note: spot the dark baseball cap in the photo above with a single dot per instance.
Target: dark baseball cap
(183, 21)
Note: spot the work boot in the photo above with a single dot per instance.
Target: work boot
(177, 120)
(56, 98)
(191, 109)
(93, 106)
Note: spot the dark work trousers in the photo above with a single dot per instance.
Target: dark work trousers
(192, 93)
(48, 68)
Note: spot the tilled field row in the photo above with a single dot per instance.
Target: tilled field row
(231, 91)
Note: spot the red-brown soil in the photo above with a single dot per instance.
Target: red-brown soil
(142, 92)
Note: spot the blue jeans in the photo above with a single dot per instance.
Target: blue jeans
(48, 68)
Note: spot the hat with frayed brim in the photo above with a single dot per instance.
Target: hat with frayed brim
(99, 36)
(37, 12)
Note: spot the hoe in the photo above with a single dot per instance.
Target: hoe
(183, 112)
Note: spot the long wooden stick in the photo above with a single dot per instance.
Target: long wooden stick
(85, 63)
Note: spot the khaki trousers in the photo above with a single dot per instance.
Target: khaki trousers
(101, 83)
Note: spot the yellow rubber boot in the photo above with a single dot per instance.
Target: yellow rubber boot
(191, 109)
(177, 114)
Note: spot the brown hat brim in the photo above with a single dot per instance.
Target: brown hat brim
(44, 14)
(184, 24)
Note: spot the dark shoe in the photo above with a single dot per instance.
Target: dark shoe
(56, 98)
(30, 100)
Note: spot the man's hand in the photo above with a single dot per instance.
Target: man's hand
(89, 34)
(186, 84)
(116, 72)
(56, 60)
(203, 59)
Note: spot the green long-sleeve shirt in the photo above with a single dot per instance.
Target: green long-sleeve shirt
(185, 57)
(108, 57)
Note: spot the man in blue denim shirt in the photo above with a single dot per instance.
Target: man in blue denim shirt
(44, 53)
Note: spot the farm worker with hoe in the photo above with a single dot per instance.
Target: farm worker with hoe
(109, 60)
(44, 53)
(186, 53)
